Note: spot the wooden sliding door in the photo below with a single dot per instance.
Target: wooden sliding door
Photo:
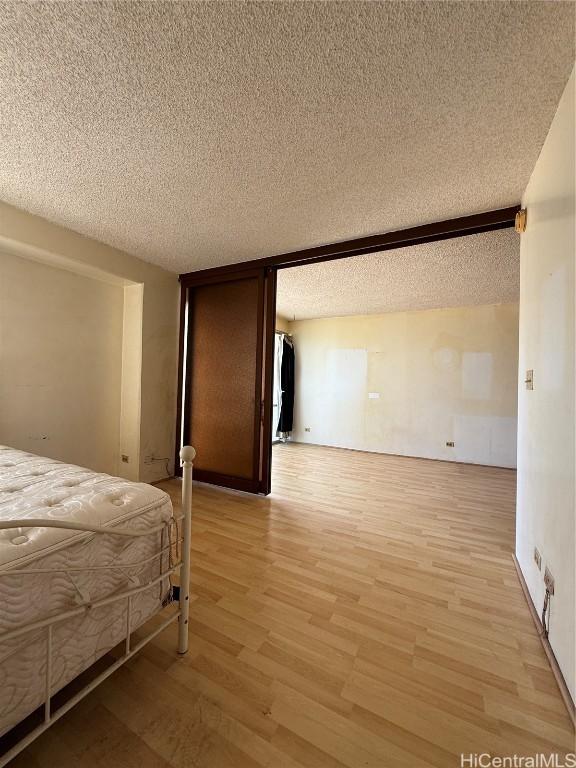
(227, 373)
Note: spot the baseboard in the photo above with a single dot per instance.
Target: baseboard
(556, 671)
(291, 441)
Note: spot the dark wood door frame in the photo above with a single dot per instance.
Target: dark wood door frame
(182, 385)
(268, 380)
(488, 221)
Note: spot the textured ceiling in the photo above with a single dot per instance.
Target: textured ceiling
(478, 269)
(196, 134)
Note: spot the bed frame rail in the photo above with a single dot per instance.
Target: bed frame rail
(187, 455)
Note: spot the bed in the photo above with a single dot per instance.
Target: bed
(85, 560)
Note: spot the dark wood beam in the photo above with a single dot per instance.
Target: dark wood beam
(488, 221)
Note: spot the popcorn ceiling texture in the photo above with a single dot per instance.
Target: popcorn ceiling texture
(466, 271)
(198, 134)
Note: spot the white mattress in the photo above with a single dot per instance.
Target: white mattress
(36, 487)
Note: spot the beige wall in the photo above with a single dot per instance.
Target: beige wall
(60, 363)
(154, 331)
(282, 324)
(408, 382)
(131, 387)
(546, 500)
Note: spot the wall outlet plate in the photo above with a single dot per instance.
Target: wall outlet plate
(538, 559)
(549, 581)
(449, 443)
(529, 380)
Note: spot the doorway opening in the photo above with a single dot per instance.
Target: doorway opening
(226, 404)
(410, 353)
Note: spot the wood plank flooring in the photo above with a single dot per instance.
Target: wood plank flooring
(366, 614)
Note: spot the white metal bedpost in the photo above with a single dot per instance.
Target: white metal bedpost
(187, 454)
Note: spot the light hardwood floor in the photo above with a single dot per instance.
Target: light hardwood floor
(366, 614)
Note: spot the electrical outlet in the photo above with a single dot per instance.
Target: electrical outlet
(306, 429)
(538, 559)
(125, 458)
(449, 444)
(549, 581)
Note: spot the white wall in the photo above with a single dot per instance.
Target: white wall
(546, 502)
(148, 413)
(60, 363)
(408, 382)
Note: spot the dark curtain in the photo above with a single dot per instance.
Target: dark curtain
(287, 385)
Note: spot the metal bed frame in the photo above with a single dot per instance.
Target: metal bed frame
(181, 593)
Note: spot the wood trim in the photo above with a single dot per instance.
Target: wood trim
(556, 671)
(180, 383)
(474, 224)
(268, 382)
(226, 481)
(258, 393)
(231, 272)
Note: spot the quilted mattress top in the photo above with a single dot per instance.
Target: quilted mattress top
(35, 487)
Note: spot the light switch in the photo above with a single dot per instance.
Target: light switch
(373, 395)
(529, 380)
